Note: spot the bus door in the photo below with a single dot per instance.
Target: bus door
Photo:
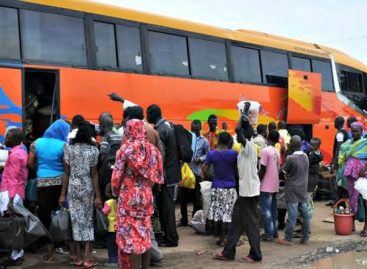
(41, 101)
(304, 97)
(10, 99)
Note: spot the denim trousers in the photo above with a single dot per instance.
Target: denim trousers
(269, 212)
(293, 209)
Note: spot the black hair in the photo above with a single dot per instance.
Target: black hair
(154, 113)
(77, 121)
(350, 120)
(225, 139)
(339, 121)
(84, 134)
(282, 125)
(196, 122)
(261, 129)
(297, 130)
(274, 136)
(16, 135)
(272, 126)
(212, 117)
(136, 112)
(317, 140)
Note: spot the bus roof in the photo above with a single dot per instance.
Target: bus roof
(248, 36)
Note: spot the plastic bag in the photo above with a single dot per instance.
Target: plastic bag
(198, 222)
(188, 178)
(31, 190)
(33, 224)
(206, 193)
(60, 228)
(100, 223)
(361, 186)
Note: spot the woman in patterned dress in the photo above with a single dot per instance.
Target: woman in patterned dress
(81, 181)
(224, 195)
(138, 166)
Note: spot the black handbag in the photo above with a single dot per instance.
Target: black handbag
(12, 232)
(100, 223)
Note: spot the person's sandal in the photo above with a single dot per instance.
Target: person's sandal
(247, 259)
(49, 260)
(90, 264)
(220, 256)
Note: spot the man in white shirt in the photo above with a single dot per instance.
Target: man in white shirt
(245, 214)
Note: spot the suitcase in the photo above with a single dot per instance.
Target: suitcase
(12, 232)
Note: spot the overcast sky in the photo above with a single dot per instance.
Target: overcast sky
(335, 23)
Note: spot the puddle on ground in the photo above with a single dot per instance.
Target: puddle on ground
(348, 260)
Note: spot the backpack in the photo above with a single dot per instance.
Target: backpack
(105, 171)
(184, 142)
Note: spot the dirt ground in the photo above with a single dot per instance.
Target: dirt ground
(184, 256)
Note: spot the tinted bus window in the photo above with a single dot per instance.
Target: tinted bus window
(9, 33)
(208, 59)
(324, 68)
(129, 49)
(53, 38)
(351, 82)
(365, 82)
(168, 54)
(246, 65)
(275, 67)
(105, 44)
(302, 64)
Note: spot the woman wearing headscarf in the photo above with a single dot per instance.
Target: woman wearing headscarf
(46, 156)
(138, 166)
(352, 163)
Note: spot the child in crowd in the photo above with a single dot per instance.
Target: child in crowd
(14, 178)
(314, 158)
(224, 194)
(296, 173)
(110, 209)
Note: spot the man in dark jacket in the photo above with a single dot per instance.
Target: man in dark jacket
(171, 165)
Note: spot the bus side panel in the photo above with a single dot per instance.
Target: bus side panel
(10, 99)
(181, 100)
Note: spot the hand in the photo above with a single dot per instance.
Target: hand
(62, 200)
(115, 97)
(98, 202)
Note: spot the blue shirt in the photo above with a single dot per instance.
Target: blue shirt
(49, 153)
(200, 150)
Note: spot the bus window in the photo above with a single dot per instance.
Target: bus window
(53, 38)
(105, 44)
(275, 68)
(208, 59)
(365, 82)
(325, 69)
(168, 54)
(129, 49)
(246, 64)
(9, 34)
(351, 82)
(302, 64)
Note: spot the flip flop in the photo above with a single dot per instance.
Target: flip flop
(247, 259)
(46, 259)
(90, 264)
(219, 256)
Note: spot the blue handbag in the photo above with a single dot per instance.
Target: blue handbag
(31, 190)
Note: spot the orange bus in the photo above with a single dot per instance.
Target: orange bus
(62, 57)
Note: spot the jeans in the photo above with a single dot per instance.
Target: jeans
(269, 212)
(155, 253)
(184, 197)
(112, 248)
(292, 209)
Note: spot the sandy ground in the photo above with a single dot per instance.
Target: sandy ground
(184, 256)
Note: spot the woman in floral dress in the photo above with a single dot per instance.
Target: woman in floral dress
(81, 181)
(138, 166)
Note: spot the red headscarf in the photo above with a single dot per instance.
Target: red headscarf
(141, 155)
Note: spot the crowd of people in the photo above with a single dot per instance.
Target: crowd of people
(132, 173)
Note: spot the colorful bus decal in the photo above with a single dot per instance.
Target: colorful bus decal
(10, 113)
